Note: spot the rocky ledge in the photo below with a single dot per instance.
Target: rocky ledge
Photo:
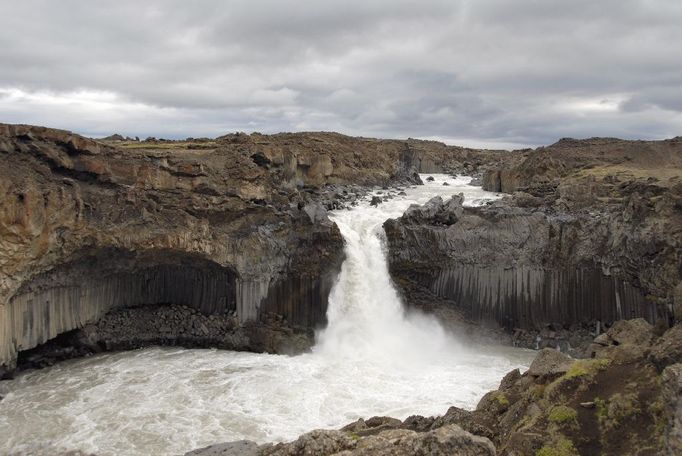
(624, 400)
(591, 234)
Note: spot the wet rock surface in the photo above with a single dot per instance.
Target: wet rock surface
(239, 448)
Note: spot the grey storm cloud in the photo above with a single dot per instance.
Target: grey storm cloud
(485, 72)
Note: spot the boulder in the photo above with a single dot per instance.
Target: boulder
(314, 443)
(372, 426)
(418, 423)
(549, 363)
(317, 213)
(625, 340)
(668, 348)
(435, 211)
(426, 212)
(448, 440)
(510, 379)
(453, 209)
(238, 448)
(635, 332)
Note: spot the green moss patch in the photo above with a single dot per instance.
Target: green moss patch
(501, 399)
(584, 367)
(563, 415)
(619, 408)
(563, 447)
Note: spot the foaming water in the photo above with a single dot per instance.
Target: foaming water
(372, 359)
(366, 317)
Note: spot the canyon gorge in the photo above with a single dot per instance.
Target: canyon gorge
(240, 243)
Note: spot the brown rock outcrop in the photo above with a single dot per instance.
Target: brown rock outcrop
(539, 170)
(397, 441)
(611, 405)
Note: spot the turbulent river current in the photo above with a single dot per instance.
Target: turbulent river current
(374, 358)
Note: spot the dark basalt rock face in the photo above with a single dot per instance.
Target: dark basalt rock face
(511, 266)
(598, 242)
(234, 227)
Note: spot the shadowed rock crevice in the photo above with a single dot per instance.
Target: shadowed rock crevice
(120, 300)
(82, 291)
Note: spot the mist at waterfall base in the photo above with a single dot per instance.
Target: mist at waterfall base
(374, 358)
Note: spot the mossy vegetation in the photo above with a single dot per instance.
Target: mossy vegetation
(600, 409)
(562, 447)
(501, 399)
(537, 391)
(657, 411)
(578, 377)
(584, 367)
(619, 408)
(563, 415)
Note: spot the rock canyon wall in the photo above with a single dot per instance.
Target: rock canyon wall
(591, 232)
(236, 227)
(231, 226)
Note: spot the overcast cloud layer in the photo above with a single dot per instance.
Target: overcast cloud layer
(479, 72)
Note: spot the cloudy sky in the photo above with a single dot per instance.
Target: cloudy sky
(473, 72)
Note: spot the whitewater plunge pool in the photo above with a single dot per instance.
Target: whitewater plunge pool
(372, 359)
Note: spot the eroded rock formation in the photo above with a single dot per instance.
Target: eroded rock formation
(235, 225)
(595, 235)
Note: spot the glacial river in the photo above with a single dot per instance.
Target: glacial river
(374, 358)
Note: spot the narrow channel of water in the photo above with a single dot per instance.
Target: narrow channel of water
(374, 358)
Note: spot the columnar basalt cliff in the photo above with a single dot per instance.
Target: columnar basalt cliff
(592, 232)
(236, 227)
(232, 226)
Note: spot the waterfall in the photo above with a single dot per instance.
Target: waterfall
(366, 317)
(374, 358)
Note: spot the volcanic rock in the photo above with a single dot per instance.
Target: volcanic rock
(592, 235)
(233, 225)
(668, 349)
(238, 448)
(549, 363)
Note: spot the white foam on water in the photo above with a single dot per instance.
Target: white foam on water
(374, 358)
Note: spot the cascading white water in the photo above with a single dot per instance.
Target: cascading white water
(374, 358)
(366, 317)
